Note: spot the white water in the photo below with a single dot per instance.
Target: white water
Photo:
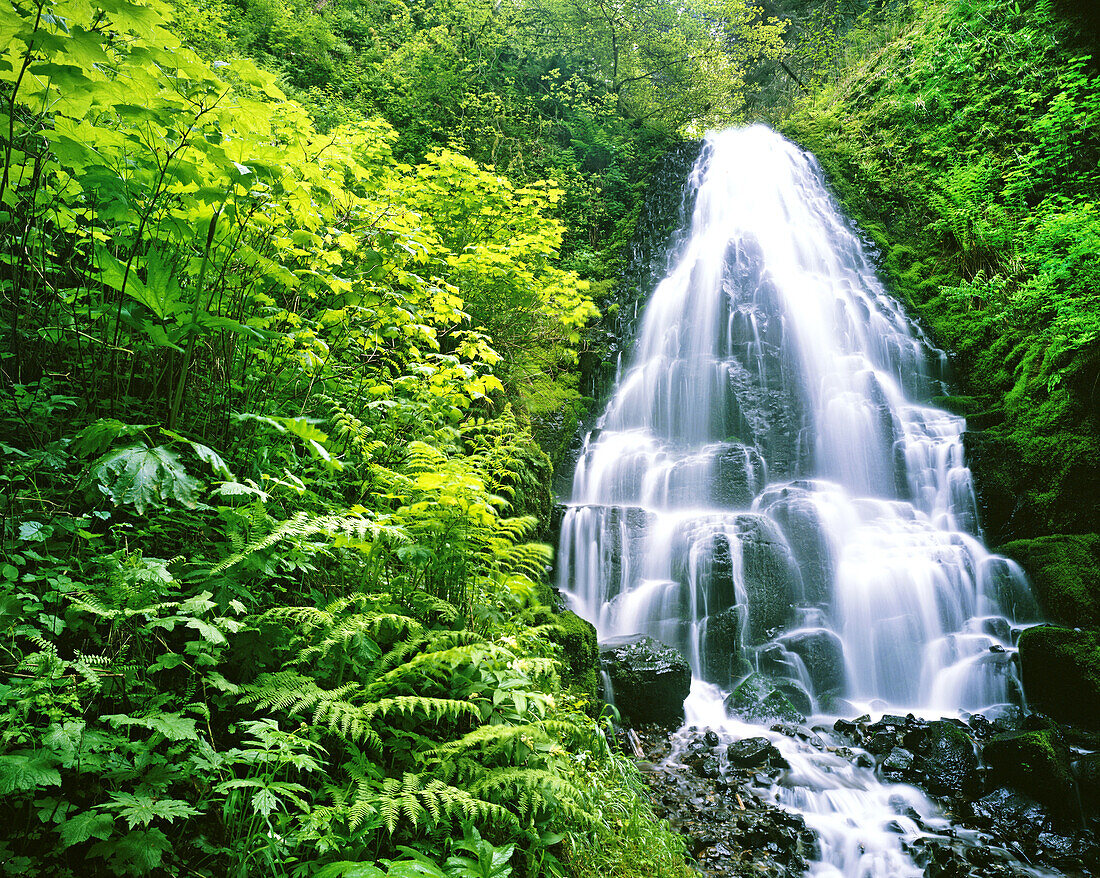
(770, 485)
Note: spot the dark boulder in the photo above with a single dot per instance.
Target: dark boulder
(759, 697)
(649, 679)
(753, 753)
(1035, 763)
(1061, 673)
(945, 757)
(822, 652)
(1010, 813)
(801, 523)
(1087, 771)
(739, 474)
(771, 577)
(721, 647)
(898, 764)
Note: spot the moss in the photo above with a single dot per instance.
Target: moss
(582, 657)
(1061, 673)
(959, 405)
(1065, 574)
(579, 650)
(1035, 763)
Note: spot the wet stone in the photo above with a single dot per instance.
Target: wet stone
(898, 763)
(753, 752)
(881, 742)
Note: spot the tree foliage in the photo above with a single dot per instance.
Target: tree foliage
(266, 509)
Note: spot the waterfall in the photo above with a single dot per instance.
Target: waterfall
(770, 489)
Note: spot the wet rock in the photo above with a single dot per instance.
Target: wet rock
(801, 523)
(650, 679)
(738, 477)
(1035, 763)
(898, 764)
(822, 652)
(946, 758)
(708, 766)
(1011, 813)
(753, 753)
(1061, 673)
(848, 729)
(710, 738)
(771, 577)
(1087, 771)
(881, 742)
(758, 697)
(721, 646)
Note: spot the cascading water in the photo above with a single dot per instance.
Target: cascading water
(770, 491)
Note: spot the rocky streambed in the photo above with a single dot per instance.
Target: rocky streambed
(1007, 797)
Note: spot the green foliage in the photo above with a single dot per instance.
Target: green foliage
(1064, 571)
(267, 486)
(963, 138)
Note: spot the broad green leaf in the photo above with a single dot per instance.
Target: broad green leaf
(141, 476)
(99, 435)
(136, 853)
(173, 726)
(347, 869)
(88, 824)
(24, 770)
(144, 809)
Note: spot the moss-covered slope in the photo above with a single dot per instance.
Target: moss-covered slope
(964, 137)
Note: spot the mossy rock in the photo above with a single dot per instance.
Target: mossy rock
(959, 405)
(580, 654)
(1061, 673)
(1064, 570)
(649, 679)
(945, 755)
(1035, 763)
(759, 697)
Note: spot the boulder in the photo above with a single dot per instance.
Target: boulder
(801, 522)
(899, 764)
(649, 679)
(739, 473)
(945, 756)
(1035, 763)
(772, 580)
(1087, 771)
(822, 652)
(721, 647)
(753, 753)
(759, 697)
(1064, 570)
(715, 574)
(1061, 673)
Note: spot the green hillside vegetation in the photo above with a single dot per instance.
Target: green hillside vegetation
(965, 137)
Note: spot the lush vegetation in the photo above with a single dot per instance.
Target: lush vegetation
(291, 293)
(965, 137)
(268, 599)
